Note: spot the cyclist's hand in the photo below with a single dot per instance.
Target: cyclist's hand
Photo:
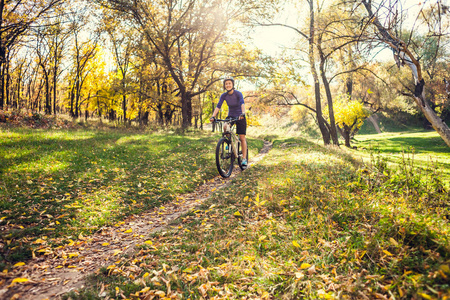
(212, 119)
(241, 117)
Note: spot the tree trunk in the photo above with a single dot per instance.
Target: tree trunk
(372, 119)
(321, 121)
(346, 134)
(77, 97)
(326, 84)
(186, 110)
(48, 104)
(437, 123)
(2, 77)
(124, 107)
(7, 84)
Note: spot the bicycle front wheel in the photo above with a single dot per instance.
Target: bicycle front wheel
(224, 157)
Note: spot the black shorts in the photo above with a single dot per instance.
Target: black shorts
(241, 126)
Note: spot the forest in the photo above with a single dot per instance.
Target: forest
(162, 62)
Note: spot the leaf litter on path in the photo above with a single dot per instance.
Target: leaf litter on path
(64, 269)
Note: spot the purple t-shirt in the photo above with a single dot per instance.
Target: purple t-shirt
(234, 102)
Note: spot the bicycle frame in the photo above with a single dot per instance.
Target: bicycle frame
(229, 133)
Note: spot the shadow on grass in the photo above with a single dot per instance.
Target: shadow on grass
(59, 184)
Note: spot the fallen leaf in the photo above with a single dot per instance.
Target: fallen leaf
(393, 241)
(305, 266)
(296, 244)
(19, 280)
(19, 264)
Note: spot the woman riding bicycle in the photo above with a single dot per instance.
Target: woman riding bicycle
(236, 108)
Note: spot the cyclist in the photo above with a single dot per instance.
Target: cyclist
(236, 108)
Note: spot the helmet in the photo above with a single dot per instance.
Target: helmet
(228, 79)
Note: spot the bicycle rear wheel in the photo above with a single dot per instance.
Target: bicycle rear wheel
(240, 157)
(224, 157)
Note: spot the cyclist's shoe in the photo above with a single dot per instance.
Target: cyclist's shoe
(244, 163)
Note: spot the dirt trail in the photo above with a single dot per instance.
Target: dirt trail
(63, 270)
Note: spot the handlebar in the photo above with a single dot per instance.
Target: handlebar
(227, 120)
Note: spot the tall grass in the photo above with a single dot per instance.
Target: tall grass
(308, 222)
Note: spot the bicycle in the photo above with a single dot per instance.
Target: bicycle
(228, 148)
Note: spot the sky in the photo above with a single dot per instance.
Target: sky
(273, 39)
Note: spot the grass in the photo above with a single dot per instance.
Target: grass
(425, 149)
(56, 184)
(306, 222)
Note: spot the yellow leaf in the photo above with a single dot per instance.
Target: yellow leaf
(305, 266)
(73, 254)
(296, 244)
(58, 267)
(369, 91)
(237, 214)
(262, 238)
(39, 241)
(145, 275)
(148, 242)
(445, 268)
(387, 253)
(160, 294)
(19, 264)
(393, 241)
(20, 280)
(105, 244)
(424, 295)
(129, 230)
(80, 236)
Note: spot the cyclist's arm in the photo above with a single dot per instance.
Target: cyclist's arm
(216, 111)
(241, 101)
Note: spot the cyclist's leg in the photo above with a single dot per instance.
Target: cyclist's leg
(243, 145)
(241, 130)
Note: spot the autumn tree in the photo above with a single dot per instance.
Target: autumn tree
(350, 115)
(387, 33)
(16, 18)
(84, 49)
(185, 35)
(311, 34)
(42, 48)
(121, 36)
